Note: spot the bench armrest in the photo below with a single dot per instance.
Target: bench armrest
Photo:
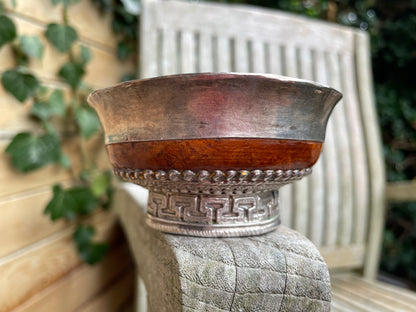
(404, 191)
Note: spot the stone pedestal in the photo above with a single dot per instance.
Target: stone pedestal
(278, 271)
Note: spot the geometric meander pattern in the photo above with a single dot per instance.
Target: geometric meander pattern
(214, 209)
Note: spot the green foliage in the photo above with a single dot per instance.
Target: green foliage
(85, 55)
(31, 46)
(124, 25)
(7, 30)
(29, 152)
(101, 184)
(90, 252)
(62, 37)
(57, 103)
(70, 203)
(55, 106)
(64, 2)
(124, 50)
(20, 85)
(87, 121)
(399, 253)
(72, 73)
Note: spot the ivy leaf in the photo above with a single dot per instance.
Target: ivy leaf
(89, 251)
(62, 205)
(70, 203)
(29, 152)
(7, 30)
(72, 73)
(83, 234)
(123, 50)
(65, 161)
(87, 121)
(57, 102)
(41, 110)
(55, 106)
(19, 84)
(31, 46)
(61, 36)
(100, 184)
(93, 252)
(85, 55)
(85, 199)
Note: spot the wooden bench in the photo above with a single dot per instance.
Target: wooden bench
(340, 207)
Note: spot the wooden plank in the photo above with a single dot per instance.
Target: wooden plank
(31, 270)
(344, 300)
(344, 227)
(241, 55)
(80, 285)
(317, 179)
(223, 54)
(357, 150)
(404, 295)
(374, 152)
(316, 203)
(169, 53)
(285, 203)
(84, 16)
(275, 59)
(332, 186)
(364, 298)
(258, 56)
(302, 189)
(112, 298)
(22, 221)
(300, 212)
(187, 52)
(351, 256)
(262, 24)
(404, 191)
(103, 70)
(151, 49)
(388, 299)
(329, 160)
(205, 61)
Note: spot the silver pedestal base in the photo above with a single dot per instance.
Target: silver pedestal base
(211, 215)
(213, 203)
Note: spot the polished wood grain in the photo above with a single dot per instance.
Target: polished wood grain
(215, 154)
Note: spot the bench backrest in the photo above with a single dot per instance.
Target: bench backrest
(340, 206)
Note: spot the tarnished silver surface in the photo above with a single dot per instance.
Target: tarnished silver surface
(211, 182)
(213, 204)
(225, 105)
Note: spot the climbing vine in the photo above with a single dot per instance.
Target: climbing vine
(62, 115)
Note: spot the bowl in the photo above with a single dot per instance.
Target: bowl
(214, 148)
